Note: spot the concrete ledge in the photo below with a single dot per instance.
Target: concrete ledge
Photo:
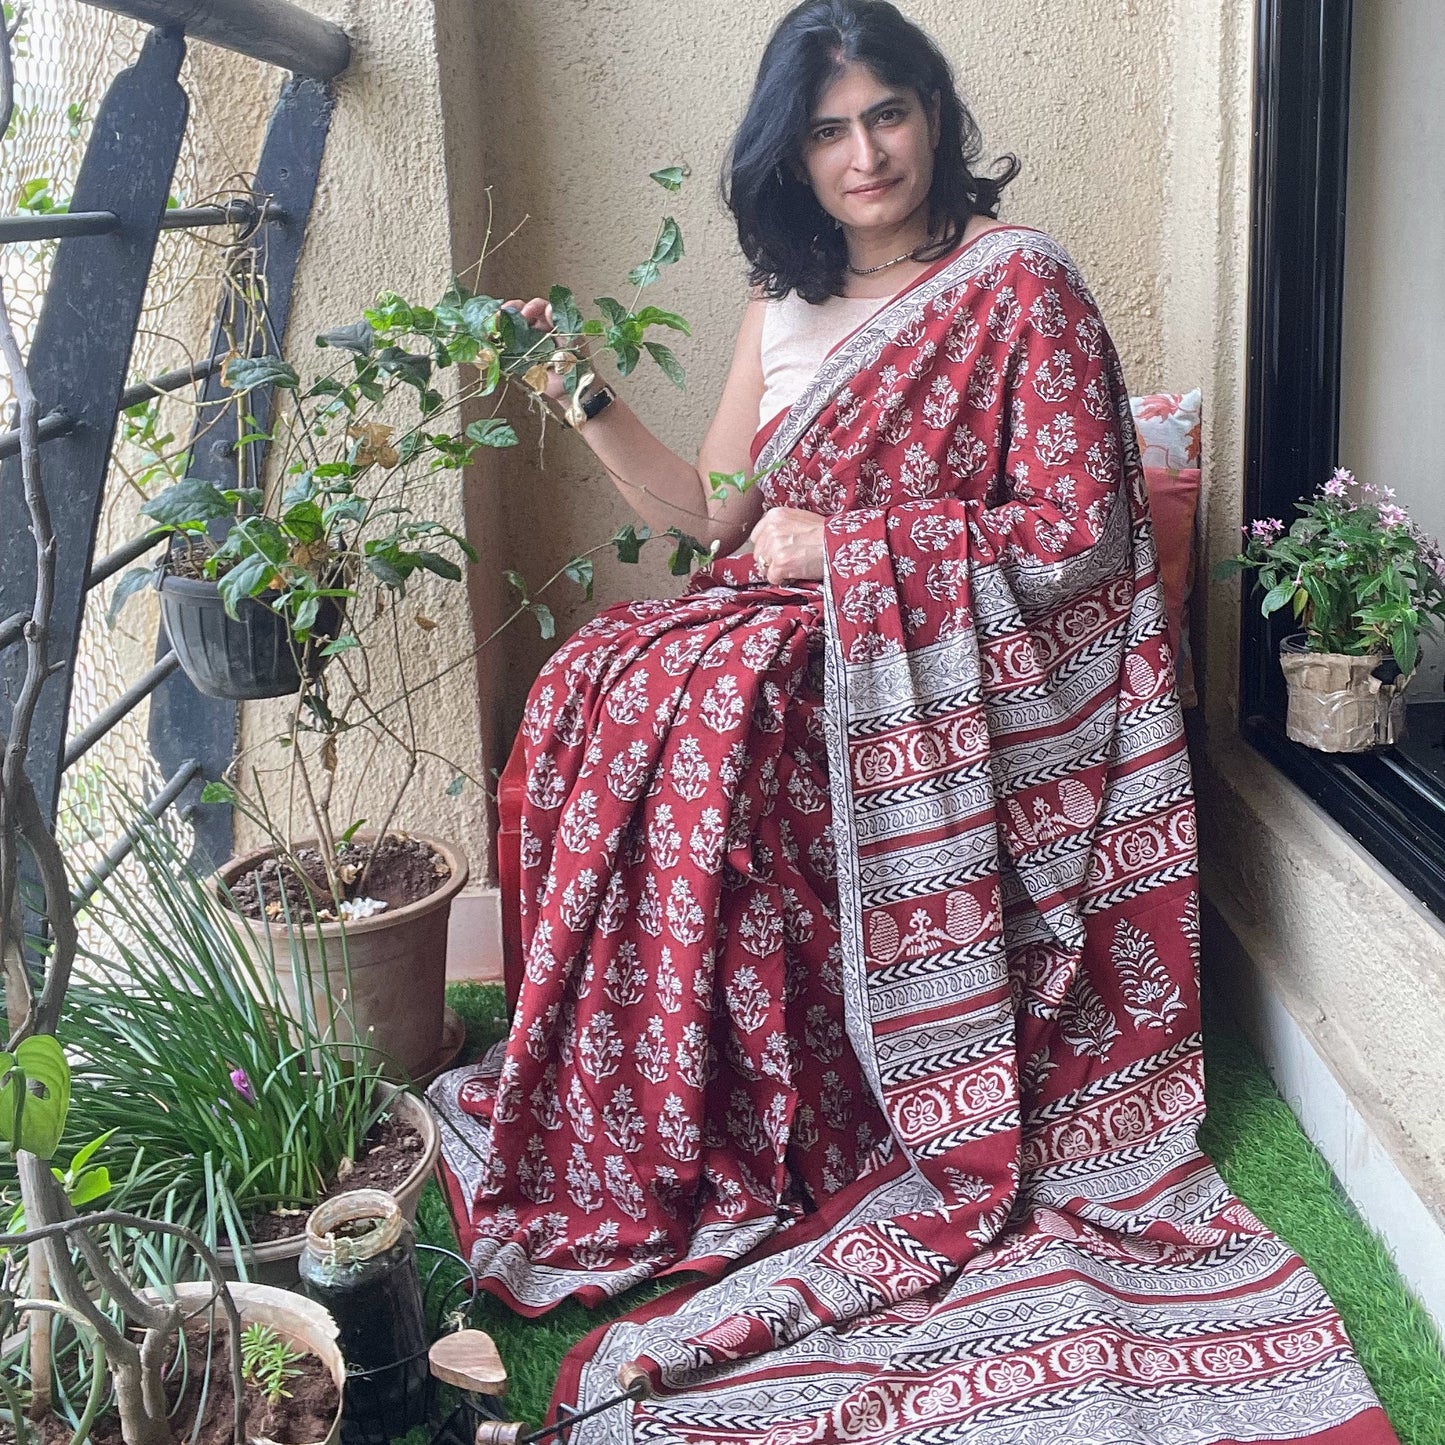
(474, 939)
(1365, 1167)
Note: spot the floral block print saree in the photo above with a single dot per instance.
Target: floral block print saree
(861, 930)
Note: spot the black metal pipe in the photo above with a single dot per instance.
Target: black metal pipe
(168, 381)
(123, 556)
(55, 225)
(53, 424)
(128, 701)
(271, 30)
(231, 213)
(175, 785)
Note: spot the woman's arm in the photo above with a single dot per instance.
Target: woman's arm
(662, 488)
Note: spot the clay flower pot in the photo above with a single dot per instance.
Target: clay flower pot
(1336, 703)
(276, 1262)
(301, 1322)
(388, 979)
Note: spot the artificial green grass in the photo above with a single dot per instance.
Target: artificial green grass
(1260, 1150)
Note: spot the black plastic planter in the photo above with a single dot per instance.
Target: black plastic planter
(251, 655)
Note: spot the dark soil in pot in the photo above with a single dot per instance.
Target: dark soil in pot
(393, 1149)
(306, 1416)
(405, 871)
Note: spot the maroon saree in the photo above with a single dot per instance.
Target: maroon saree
(861, 924)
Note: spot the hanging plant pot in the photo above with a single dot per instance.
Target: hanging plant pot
(1336, 703)
(249, 656)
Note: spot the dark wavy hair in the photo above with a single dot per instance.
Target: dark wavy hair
(790, 242)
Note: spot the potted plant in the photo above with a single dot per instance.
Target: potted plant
(1365, 584)
(234, 1113)
(335, 548)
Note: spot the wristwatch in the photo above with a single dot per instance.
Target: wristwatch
(589, 402)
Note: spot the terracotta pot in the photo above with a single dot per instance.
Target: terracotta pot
(1336, 704)
(388, 980)
(299, 1321)
(276, 1261)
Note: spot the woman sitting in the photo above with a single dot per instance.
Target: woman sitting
(859, 899)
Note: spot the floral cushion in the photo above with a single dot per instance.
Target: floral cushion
(1169, 439)
(1168, 424)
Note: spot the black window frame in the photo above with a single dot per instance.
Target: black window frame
(1297, 254)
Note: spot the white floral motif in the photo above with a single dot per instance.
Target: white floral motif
(1055, 443)
(651, 1051)
(628, 700)
(946, 579)
(598, 1249)
(761, 648)
(583, 1185)
(962, 337)
(690, 772)
(1085, 1022)
(626, 1192)
(1054, 378)
(760, 929)
(823, 1034)
(625, 981)
(613, 912)
(685, 919)
(1005, 313)
(1151, 997)
(749, 999)
(627, 773)
(580, 1111)
(680, 1137)
(649, 907)
(623, 1120)
(546, 787)
(1048, 315)
(983, 384)
(694, 1055)
(664, 842)
(779, 1059)
(918, 474)
(865, 602)
(669, 984)
(935, 532)
(579, 898)
(579, 828)
(599, 1047)
(535, 1176)
(722, 706)
(706, 842)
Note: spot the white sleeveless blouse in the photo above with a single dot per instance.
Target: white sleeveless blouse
(797, 336)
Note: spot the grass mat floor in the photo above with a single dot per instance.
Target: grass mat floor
(1250, 1134)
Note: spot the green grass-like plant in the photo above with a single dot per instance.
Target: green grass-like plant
(219, 1099)
(268, 1362)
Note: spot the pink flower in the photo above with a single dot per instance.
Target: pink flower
(242, 1085)
(1393, 516)
(1266, 530)
(1338, 485)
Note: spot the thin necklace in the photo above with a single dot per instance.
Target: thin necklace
(884, 265)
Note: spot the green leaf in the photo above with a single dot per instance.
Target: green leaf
(189, 501)
(34, 1122)
(87, 1152)
(1406, 647)
(218, 792)
(385, 570)
(655, 316)
(1276, 597)
(545, 621)
(246, 373)
(304, 521)
(438, 565)
(565, 315)
(579, 570)
(477, 315)
(671, 368)
(669, 178)
(133, 581)
(358, 337)
(492, 432)
(666, 250)
(721, 483)
(518, 584)
(344, 643)
(454, 788)
(615, 312)
(629, 541)
(86, 1188)
(351, 832)
(410, 367)
(688, 548)
(247, 579)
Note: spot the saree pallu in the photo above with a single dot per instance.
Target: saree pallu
(922, 1006)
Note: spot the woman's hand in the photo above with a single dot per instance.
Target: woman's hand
(788, 545)
(537, 313)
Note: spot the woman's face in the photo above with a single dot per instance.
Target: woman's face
(868, 152)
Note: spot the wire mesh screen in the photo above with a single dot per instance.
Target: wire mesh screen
(66, 55)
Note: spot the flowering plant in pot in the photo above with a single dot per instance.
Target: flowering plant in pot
(1365, 584)
(339, 548)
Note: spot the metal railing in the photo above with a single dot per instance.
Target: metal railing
(80, 355)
